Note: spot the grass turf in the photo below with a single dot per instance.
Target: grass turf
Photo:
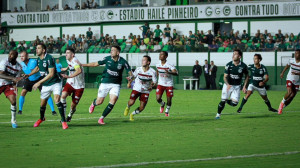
(191, 132)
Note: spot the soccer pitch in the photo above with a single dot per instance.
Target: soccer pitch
(190, 137)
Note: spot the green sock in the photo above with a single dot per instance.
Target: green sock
(107, 110)
(61, 111)
(243, 103)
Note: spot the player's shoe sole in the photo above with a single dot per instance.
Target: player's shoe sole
(273, 110)
(92, 108)
(64, 125)
(280, 108)
(162, 108)
(38, 122)
(101, 122)
(126, 111)
(218, 116)
(131, 117)
(14, 125)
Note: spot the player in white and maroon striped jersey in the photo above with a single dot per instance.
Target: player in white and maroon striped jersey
(145, 79)
(292, 80)
(165, 72)
(10, 71)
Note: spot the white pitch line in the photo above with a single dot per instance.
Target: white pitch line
(195, 160)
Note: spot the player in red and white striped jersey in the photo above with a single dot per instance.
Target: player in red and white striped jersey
(292, 80)
(10, 71)
(165, 71)
(145, 79)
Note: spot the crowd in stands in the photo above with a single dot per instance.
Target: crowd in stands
(164, 39)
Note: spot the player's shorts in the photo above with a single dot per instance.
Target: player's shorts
(47, 90)
(261, 91)
(8, 90)
(160, 90)
(290, 84)
(233, 93)
(76, 93)
(29, 84)
(111, 88)
(143, 96)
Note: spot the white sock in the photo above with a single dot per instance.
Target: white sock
(162, 103)
(283, 100)
(13, 113)
(101, 117)
(64, 102)
(135, 112)
(71, 112)
(167, 109)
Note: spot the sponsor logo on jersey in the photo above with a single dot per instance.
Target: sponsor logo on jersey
(261, 72)
(113, 73)
(119, 66)
(257, 78)
(240, 70)
(234, 76)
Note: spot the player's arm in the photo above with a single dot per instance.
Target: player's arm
(47, 77)
(3, 75)
(285, 68)
(173, 72)
(64, 69)
(266, 79)
(92, 64)
(246, 83)
(35, 70)
(225, 78)
(76, 73)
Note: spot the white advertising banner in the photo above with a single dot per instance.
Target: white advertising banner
(205, 11)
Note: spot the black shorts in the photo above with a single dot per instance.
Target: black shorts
(28, 84)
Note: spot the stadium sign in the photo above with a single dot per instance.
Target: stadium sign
(207, 11)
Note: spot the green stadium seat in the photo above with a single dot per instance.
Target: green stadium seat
(2, 51)
(28, 50)
(226, 49)
(165, 48)
(101, 50)
(91, 49)
(107, 50)
(120, 41)
(28, 42)
(244, 41)
(138, 50)
(160, 43)
(221, 49)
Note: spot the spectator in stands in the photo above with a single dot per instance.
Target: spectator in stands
(150, 47)
(85, 45)
(135, 40)
(124, 39)
(280, 35)
(103, 43)
(281, 46)
(192, 39)
(89, 33)
(157, 47)
(292, 37)
(266, 34)
(16, 9)
(188, 46)
(231, 34)
(258, 33)
(146, 39)
(213, 47)
(12, 43)
(210, 37)
(165, 39)
(276, 44)
(48, 8)
(290, 46)
(167, 31)
(231, 46)
(178, 44)
(149, 33)
(21, 9)
(144, 29)
(4, 47)
(117, 3)
(84, 6)
(245, 36)
(129, 41)
(218, 35)
(269, 46)
(157, 33)
(225, 43)
(286, 38)
(252, 47)
(67, 7)
(239, 45)
(174, 34)
(171, 47)
(55, 7)
(256, 38)
(71, 41)
(96, 6)
(143, 47)
(77, 6)
(297, 45)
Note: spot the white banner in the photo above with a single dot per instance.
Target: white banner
(206, 11)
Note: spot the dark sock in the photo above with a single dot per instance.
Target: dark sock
(65, 106)
(221, 106)
(61, 111)
(42, 113)
(268, 104)
(107, 110)
(231, 103)
(94, 102)
(243, 103)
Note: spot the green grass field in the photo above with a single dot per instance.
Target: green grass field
(190, 137)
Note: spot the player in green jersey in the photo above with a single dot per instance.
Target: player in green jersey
(50, 83)
(234, 71)
(111, 80)
(258, 79)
